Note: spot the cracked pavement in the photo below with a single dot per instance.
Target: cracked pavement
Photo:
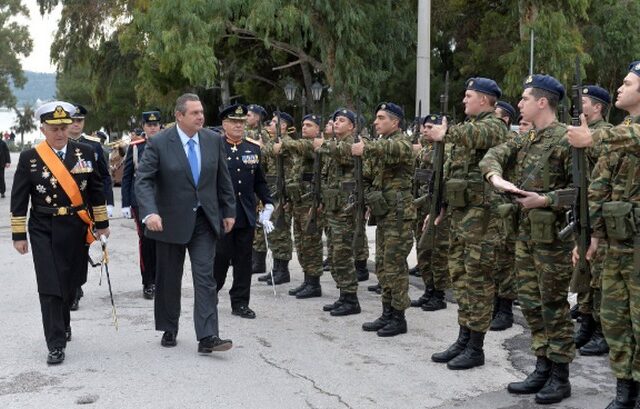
(293, 355)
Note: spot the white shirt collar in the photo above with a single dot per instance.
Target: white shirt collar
(185, 139)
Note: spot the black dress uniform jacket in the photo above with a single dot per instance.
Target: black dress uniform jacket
(58, 246)
(102, 165)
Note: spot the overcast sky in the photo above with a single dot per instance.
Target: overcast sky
(42, 30)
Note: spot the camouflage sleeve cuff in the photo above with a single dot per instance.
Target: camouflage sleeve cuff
(18, 227)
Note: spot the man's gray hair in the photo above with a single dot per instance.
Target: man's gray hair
(181, 102)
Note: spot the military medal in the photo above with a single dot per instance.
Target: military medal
(83, 185)
(48, 199)
(45, 173)
(54, 182)
(41, 189)
(234, 148)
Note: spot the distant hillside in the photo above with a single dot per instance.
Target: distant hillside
(39, 86)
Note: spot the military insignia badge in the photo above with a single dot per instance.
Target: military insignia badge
(41, 189)
(383, 106)
(59, 113)
(45, 173)
(470, 84)
(48, 199)
(152, 118)
(529, 80)
(637, 67)
(239, 110)
(585, 90)
(532, 135)
(627, 122)
(83, 185)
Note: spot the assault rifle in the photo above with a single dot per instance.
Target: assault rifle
(578, 216)
(281, 189)
(312, 222)
(358, 234)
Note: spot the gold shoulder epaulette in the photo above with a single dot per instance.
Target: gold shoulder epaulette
(92, 138)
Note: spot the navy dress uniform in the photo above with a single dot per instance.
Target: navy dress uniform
(146, 245)
(235, 248)
(56, 231)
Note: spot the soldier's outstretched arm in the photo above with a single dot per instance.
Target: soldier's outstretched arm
(497, 158)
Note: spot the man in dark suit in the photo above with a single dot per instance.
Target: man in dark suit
(5, 162)
(243, 158)
(186, 201)
(61, 180)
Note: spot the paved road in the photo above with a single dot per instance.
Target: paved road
(292, 356)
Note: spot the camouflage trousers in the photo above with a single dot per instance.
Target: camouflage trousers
(471, 266)
(620, 313)
(433, 265)
(362, 252)
(308, 245)
(590, 301)
(543, 275)
(341, 251)
(505, 274)
(394, 241)
(280, 242)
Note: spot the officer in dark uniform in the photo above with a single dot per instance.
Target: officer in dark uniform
(147, 246)
(243, 159)
(76, 134)
(49, 176)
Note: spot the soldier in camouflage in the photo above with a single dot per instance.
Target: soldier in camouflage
(299, 187)
(432, 264)
(390, 201)
(542, 169)
(614, 196)
(471, 205)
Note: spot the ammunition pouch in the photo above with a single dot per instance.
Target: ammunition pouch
(377, 203)
(566, 197)
(620, 219)
(456, 193)
(348, 186)
(423, 176)
(543, 225)
(508, 213)
(332, 200)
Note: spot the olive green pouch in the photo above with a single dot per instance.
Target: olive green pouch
(456, 192)
(619, 217)
(294, 192)
(543, 225)
(331, 200)
(378, 205)
(507, 213)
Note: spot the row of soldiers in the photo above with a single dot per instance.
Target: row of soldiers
(497, 233)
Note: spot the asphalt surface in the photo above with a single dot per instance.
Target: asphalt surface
(293, 355)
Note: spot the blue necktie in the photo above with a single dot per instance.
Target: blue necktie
(193, 160)
(60, 155)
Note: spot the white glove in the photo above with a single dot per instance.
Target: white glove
(126, 212)
(265, 214)
(110, 211)
(267, 226)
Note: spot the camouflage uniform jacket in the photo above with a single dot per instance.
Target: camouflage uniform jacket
(625, 136)
(337, 168)
(301, 173)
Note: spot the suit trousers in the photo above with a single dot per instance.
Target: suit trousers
(3, 185)
(170, 265)
(55, 319)
(235, 249)
(147, 251)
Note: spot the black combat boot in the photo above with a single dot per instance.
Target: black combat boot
(428, 292)
(349, 306)
(296, 290)
(375, 288)
(535, 380)
(312, 289)
(336, 304)
(585, 332)
(258, 262)
(575, 312)
(361, 270)
(626, 395)
(436, 302)
(395, 326)
(455, 349)
(504, 316)
(473, 354)
(557, 387)
(326, 264)
(597, 345)
(415, 271)
(381, 321)
(282, 275)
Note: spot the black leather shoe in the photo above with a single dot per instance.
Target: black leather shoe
(436, 302)
(473, 354)
(55, 356)
(557, 387)
(169, 339)
(75, 304)
(379, 322)
(362, 272)
(349, 306)
(535, 380)
(149, 291)
(395, 326)
(374, 288)
(575, 312)
(326, 265)
(243, 312)
(211, 344)
(2, 196)
(67, 334)
(455, 349)
(264, 277)
(311, 290)
(423, 298)
(415, 271)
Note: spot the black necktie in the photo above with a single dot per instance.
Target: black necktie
(60, 155)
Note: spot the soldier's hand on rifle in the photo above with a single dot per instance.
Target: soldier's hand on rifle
(277, 147)
(357, 149)
(531, 200)
(580, 136)
(22, 246)
(317, 143)
(591, 251)
(438, 131)
(437, 222)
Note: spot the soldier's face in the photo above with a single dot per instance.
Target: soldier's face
(310, 129)
(151, 128)
(342, 126)
(233, 128)
(252, 119)
(283, 124)
(328, 128)
(500, 113)
(524, 126)
(77, 126)
(629, 93)
(56, 135)
(271, 128)
(528, 106)
(192, 119)
(473, 102)
(384, 123)
(589, 109)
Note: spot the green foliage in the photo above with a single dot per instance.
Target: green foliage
(25, 122)
(14, 42)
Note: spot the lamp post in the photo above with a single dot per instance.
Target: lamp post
(290, 91)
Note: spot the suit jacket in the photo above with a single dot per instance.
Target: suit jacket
(165, 186)
(5, 156)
